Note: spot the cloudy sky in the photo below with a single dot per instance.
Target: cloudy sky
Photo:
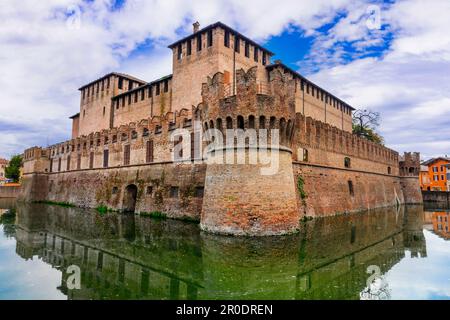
(391, 56)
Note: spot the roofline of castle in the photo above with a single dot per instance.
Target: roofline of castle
(298, 75)
(224, 26)
(149, 84)
(76, 115)
(124, 75)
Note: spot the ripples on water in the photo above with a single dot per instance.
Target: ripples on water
(131, 257)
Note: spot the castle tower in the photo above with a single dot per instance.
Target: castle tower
(409, 166)
(249, 185)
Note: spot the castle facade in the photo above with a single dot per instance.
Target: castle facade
(192, 144)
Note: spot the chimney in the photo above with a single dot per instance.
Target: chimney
(196, 26)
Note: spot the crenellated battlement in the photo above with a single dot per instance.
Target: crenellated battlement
(314, 134)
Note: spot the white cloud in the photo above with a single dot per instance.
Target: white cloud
(45, 57)
(409, 83)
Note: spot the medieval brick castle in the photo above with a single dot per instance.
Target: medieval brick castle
(122, 151)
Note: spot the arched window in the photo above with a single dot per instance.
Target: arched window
(229, 123)
(240, 122)
(289, 130)
(262, 122)
(305, 155)
(114, 138)
(134, 134)
(282, 128)
(272, 122)
(251, 122)
(145, 132)
(219, 123)
(211, 124)
(124, 137)
(389, 170)
(347, 162)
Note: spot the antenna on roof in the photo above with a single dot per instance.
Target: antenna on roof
(196, 26)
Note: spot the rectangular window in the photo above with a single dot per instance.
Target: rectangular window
(51, 165)
(199, 42)
(226, 39)
(105, 158)
(142, 94)
(157, 89)
(130, 85)
(68, 163)
(350, 188)
(135, 97)
(210, 38)
(120, 85)
(237, 44)
(255, 54)
(149, 92)
(435, 178)
(435, 169)
(166, 86)
(129, 98)
(247, 49)
(179, 52)
(189, 47)
(264, 59)
(78, 161)
(149, 151)
(59, 164)
(107, 83)
(442, 178)
(91, 160)
(126, 155)
(173, 192)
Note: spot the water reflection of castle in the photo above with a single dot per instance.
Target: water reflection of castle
(132, 257)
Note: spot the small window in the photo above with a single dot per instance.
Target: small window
(226, 39)
(240, 121)
(264, 59)
(142, 94)
(199, 192)
(237, 44)
(389, 170)
(115, 190)
(189, 47)
(150, 190)
(247, 49)
(255, 54)
(114, 138)
(347, 162)
(305, 155)
(158, 89)
(173, 192)
(350, 188)
(120, 85)
(130, 85)
(145, 132)
(179, 52)
(166, 86)
(199, 42)
(210, 38)
(134, 134)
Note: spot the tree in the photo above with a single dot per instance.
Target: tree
(364, 124)
(12, 171)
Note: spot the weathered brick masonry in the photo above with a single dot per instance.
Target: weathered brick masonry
(128, 134)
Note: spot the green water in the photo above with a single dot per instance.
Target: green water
(131, 257)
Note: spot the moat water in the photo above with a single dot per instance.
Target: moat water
(394, 253)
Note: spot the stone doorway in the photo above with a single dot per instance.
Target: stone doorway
(129, 198)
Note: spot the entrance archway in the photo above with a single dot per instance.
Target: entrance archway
(129, 198)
